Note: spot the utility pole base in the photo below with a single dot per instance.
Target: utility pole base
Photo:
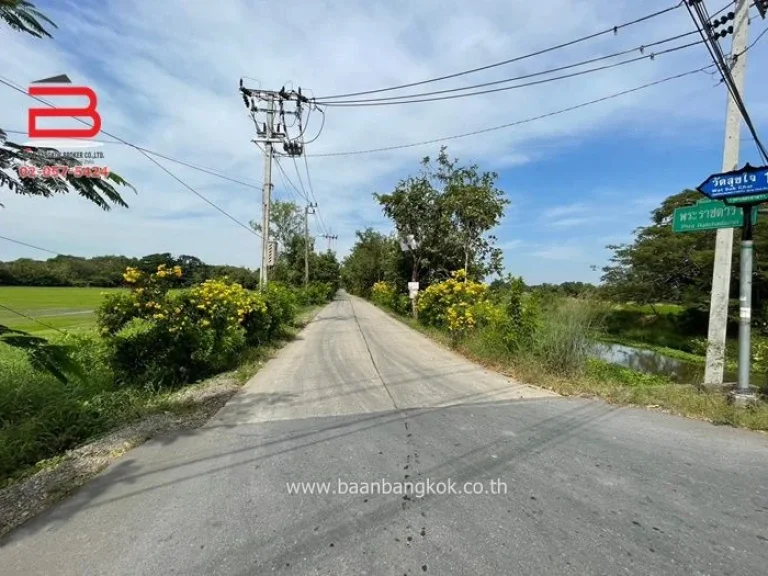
(743, 399)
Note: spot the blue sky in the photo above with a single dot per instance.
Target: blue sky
(167, 73)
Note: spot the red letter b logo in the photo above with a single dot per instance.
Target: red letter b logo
(89, 111)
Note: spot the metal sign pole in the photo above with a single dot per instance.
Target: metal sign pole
(745, 303)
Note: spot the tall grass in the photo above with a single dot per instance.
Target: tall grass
(564, 337)
(41, 417)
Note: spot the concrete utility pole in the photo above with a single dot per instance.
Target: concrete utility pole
(274, 130)
(309, 209)
(330, 239)
(266, 196)
(721, 276)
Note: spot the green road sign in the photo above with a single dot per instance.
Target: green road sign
(747, 199)
(708, 215)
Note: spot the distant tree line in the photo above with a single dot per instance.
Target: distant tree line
(107, 271)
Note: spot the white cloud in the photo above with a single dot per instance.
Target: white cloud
(569, 222)
(565, 210)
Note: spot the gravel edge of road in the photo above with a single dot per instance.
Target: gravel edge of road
(200, 402)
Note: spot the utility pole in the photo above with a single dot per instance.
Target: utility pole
(266, 196)
(721, 276)
(274, 130)
(330, 238)
(309, 209)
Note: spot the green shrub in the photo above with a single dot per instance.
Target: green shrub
(40, 417)
(521, 318)
(159, 338)
(282, 303)
(115, 311)
(146, 353)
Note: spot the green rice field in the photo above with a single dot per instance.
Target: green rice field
(51, 309)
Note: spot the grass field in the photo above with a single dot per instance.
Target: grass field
(58, 308)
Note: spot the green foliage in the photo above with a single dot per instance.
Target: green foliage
(447, 211)
(563, 340)
(384, 294)
(662, 266)
(374, 258)
(601, 370)
(457, 304)
(286, 221)
(41, 417)
(54, 359)
(99, 191)
(317, 293)
(21, 15)
(521, 318)
(159, 338)
(107, 271)
(282, 303)
(147, 353)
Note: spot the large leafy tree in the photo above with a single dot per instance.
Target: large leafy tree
(22, 16)
(663, 266)
(475, 206)
(443, 217)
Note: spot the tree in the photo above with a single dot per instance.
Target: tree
(476, 206)
(286, 220)
(445, 214)
(662, 266)
(373, 258)
(22, 15)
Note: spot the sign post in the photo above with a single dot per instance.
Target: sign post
(746, 187)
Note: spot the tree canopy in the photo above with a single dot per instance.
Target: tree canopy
(442, 218)
(663, 266)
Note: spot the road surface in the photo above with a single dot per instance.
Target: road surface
(590, 488)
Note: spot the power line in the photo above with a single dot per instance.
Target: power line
(517, 86)
(312, 191)
(282, 171)
(28, 317)
(697, 8)
(640, 48)
(255, 185)
(610, 30)
(199, 195)
(20, 243)
(146, 155)
(518, 122)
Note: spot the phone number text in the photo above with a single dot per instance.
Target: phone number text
(63, 171)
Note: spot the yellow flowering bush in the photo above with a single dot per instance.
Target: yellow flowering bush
(383, 294)
(157, 336)
(457, 304)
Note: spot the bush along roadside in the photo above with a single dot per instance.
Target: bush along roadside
(150, 341)
(548, 342)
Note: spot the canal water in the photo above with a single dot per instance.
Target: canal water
(652, 362)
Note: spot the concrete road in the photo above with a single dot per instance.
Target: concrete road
(590, 488)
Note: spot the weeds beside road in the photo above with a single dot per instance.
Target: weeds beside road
(548, 343)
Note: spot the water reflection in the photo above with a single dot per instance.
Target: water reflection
(650, 362)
